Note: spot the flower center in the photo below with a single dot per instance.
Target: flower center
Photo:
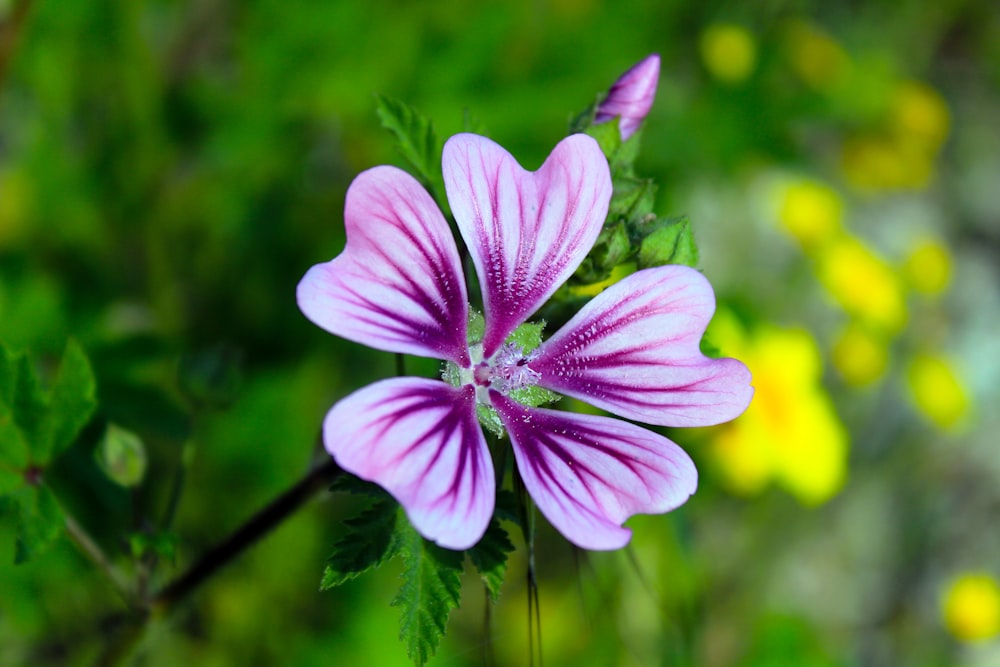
(508, 370)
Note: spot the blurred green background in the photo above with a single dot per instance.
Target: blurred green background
(169, 170)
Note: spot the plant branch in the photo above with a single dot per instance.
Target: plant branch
(93, 551)
(10, 30)
(246, 535)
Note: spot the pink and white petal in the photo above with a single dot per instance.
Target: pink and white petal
(420, 440)
(398, 285)
(633, 350)
(588, 474)
(527, 231)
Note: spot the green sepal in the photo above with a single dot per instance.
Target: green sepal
(477, 327)
(490, 420)
(121, 455)
(161, 544)
(416, 141)
(431, 589)
(613, 247)
(534, 396)
(671, 242)
(367, 543)
(490, 557)
(528, 336)
(40, 521)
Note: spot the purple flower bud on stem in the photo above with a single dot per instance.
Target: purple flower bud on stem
(631, 96)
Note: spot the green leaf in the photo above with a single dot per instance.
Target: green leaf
(40, 521)
(367, 543)
(672, 243)
(489, 419)
(13, 448)
(416, 141)
(71, 403)
(8, 375)
(122, 456)
(28, 404)
(534, 396)
(490, 557)
(431, 589)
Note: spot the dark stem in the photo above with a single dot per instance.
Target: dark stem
(10, 30)
(245, 536)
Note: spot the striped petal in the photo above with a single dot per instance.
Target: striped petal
(633, 350)
(587, 474)
(419, 439)
(398, 285)
(631, 96)
(526, 231)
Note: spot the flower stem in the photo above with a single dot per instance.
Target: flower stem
(93, 551)
(246, 535)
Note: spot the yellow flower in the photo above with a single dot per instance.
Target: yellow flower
(937, 391)
(811, 212)
(971, 607)
(859, 355)
(862, 283)
(919, 115)
(729, 52)
(928, 267)
(790, 434)
(815, 57)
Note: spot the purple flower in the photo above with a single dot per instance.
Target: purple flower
(632, 350)
(631, 96)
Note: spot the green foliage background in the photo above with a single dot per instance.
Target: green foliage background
(169, 170)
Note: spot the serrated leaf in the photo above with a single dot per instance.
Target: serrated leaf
(416, 141)
(40, 521)
(71, 403)
(367, 543)
(490, 557)
(670, 244)
(13, 448)
(431, 589)
(354, 485)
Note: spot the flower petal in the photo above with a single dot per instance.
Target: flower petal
(398, 285)
(633, 350)
(631, 96)
(587, 474)
(527, 231)
(419, 439)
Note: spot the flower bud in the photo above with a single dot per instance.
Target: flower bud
(631, 96)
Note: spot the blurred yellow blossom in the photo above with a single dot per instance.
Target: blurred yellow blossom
(860, 355)
(971, 607)
(902, 155)
(937, 391)
(729, 52)
(15, 206)
(919, 116)
(790, 434)
(811, 212)
(862, 283)
(928, 267)
(815, 57)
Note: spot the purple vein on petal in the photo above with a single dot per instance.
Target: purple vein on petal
(419, 439)
(526, 231)
(633, 350)
(398, 284)
(587, 474)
